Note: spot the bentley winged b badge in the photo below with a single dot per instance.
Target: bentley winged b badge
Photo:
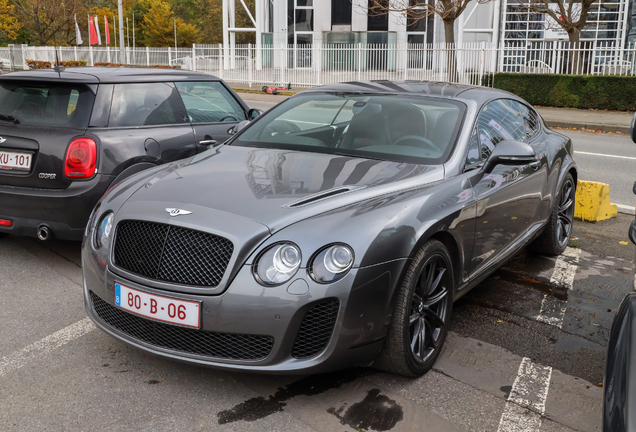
(177, 212)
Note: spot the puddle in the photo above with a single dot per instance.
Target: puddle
(375, 412)
(260, 407)
(571, 343)
(519, 278)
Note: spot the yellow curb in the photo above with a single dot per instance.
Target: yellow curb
(593, 202)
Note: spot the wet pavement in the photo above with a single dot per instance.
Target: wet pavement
(545, 315)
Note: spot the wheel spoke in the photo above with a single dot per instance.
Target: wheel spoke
(567, 192)
(436, 298)
(417, 333)
(423, 327)
(439, 322)
(566, 205)
(414, 317)
(437, 279)
(431, 338)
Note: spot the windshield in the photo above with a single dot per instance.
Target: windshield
(45, 104)
(389, 127)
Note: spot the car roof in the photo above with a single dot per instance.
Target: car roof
(114, 75)
(427, 88)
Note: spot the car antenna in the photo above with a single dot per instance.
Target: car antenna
(58, 67)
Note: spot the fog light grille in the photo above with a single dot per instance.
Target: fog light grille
(316, 329)
(217, 345)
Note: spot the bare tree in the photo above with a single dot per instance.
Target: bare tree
(447, 10)
(570, 16)
(46, 19)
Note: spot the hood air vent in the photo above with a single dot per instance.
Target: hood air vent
(323, 195)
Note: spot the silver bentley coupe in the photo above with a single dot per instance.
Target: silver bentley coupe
(334, 230)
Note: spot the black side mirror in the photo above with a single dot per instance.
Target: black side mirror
(253, 113)
(632, 232)
(510, 153)
(632, 132)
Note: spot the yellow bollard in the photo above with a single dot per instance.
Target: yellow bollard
(593, 202)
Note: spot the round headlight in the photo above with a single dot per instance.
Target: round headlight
(278, 264)
(331, 263)
(104, 227)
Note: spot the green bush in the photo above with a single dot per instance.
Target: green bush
(608, 92)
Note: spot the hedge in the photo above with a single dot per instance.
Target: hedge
(608, 92)
(40, 64)
(135, 66)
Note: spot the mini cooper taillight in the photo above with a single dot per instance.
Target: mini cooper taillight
(81, 158)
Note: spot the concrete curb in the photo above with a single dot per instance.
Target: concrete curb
(590, 126)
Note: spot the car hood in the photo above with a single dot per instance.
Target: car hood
(277, 187)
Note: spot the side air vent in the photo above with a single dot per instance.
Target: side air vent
(323, 195)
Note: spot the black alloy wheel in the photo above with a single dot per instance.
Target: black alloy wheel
(428, 319)
(422, 313)
(565, 212)
(556, 234)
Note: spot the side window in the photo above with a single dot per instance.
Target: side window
(530, 119)
(146, 105)
(209, 102)
(473, 150)
(499, 121)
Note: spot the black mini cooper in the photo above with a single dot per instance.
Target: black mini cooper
(68, 136)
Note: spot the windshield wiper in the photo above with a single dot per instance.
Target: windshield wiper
(9, 118)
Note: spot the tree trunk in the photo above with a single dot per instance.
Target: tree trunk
(449, 38)
(575, 66)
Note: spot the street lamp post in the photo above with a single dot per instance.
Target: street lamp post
(175, 32)
(127, 32)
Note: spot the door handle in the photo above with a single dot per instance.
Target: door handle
(535, 165)
(208, 142)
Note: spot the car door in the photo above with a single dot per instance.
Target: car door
(212, 110)
(508, 197)
(147, 123)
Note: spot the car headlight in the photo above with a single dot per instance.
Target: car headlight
(331, 263)
(91, 220)
(278, 264)
(104, 227)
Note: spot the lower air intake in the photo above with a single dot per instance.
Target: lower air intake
(316, 329)
(216, 345)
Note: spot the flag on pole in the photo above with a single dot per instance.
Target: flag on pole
(107, 30)
(78, 34)
(92, 34)
(99, 36)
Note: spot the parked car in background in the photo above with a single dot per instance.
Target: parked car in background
(67, 137)
(619, 389)
(335, 230)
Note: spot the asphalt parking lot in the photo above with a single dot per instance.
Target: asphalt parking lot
(527, 348)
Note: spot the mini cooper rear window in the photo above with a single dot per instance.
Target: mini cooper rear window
(45, 104)
(400, 128)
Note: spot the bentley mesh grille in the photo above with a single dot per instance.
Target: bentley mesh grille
(172, 254)
(217, 345)
(316, 329)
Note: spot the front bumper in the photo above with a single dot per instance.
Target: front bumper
(249, 309)
(64, 211)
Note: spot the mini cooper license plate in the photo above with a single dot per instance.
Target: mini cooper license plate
(166, 309)
(15, 161)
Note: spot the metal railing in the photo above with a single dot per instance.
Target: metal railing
(311, 65)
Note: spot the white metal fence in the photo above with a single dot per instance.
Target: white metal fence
(310, 65)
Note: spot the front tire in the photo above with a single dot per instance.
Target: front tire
(422, 313)
(556, 234)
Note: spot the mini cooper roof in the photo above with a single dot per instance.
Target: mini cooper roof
(421, 88)
(109, 75)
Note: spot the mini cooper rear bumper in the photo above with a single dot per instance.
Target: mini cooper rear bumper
(64, 211)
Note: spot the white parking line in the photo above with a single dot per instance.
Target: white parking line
(565, 268)
(526, 402)
(626, 208)
(605, 155)
(552, 311)
(44, 346)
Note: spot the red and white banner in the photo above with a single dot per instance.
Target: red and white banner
(99, 36)
(92, 33)
(107, 30)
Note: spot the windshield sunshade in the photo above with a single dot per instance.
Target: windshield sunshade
(45, 104)
(389, 127)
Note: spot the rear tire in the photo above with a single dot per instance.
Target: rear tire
(422, 313)
(556, 234)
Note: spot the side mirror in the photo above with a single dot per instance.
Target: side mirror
(632, 232)
(510, 153)
(253, 113)
(632, 132)
(236, 129)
